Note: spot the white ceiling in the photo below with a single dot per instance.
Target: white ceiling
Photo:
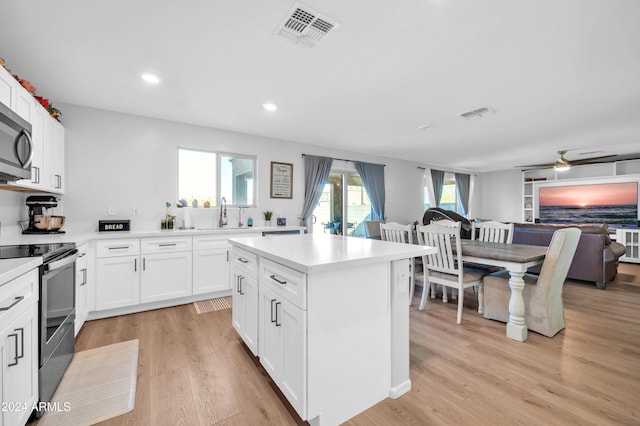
(560, 74)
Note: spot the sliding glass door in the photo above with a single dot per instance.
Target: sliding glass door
(344, 196)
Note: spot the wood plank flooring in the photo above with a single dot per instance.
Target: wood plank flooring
(193, 369)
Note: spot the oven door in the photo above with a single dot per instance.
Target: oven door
(57, 305)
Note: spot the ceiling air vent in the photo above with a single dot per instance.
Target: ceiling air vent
(304, 26)
(477, 113)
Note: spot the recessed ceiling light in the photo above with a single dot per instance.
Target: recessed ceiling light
(269, 106)
(150, 78)
(425, 127)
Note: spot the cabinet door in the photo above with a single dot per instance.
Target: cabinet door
(244, 314)
(210, 270)
(8, 86)
(58, 157)
(81, 288)
(20, 368)
(283, 346)
(271, 334)
(165, 276)
(117, 282)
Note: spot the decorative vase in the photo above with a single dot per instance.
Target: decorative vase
(267, 223)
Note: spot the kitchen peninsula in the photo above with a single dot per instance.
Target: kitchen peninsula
(328, 316)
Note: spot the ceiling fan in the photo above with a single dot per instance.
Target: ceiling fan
(562, 164)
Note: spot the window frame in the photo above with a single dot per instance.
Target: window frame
(218, 174)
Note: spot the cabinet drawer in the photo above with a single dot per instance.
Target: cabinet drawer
(246, 261)
(165, 244)
(285, 282)
(115, 248)
(209, 242)
(18, 295)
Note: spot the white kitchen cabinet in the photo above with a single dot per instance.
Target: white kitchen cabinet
(19, 349)
(282, 346)
(630, 239)
(244, 314)
(210, 264)
(47, 135)
(82, 279)
(117, 282)
(165, 276)
(117, 273)
(57, 162)
(8, 87)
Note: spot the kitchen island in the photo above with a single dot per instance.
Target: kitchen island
(328, 316)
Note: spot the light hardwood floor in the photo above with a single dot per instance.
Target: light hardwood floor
(194, 371)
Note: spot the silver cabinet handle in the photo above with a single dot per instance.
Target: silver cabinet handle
(15, 302)
(119, 248)
(15, 357)
(242, 260)
(273, 277)
(167, 245)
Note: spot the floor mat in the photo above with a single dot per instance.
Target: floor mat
(98, 385)
(212, 305)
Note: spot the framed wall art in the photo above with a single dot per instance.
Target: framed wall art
(281, 180)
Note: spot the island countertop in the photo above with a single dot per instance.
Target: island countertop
(320, 252)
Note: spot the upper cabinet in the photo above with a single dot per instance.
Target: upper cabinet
(47, 134)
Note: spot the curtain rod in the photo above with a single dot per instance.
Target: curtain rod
(344, 159)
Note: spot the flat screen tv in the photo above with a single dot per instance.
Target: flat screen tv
(615, 204)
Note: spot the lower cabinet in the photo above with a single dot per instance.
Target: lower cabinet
(210, 264)
(117, 282)
(165, 276)
(82, 278)
(630, 238)
(19, 349)
(244, 314)
(282, 346)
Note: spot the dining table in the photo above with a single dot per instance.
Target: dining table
(516, 258)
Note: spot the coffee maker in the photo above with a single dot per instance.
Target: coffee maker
(38, 205)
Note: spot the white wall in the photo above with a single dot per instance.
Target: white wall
(501, 195)
(127, 161)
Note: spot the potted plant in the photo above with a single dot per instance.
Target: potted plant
(267, 218)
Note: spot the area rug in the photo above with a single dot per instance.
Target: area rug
(99, 384)
(212, 305)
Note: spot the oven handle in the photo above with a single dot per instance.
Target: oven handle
(63, 262)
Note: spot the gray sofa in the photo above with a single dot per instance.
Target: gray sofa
(596, 258)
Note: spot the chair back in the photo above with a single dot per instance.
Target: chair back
(558, 260)
(372, 228)
(396, 232)
(444, 238)
(446, 222)
(492, 231)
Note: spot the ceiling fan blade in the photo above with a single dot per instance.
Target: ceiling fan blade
(590, 160)
(535, 166)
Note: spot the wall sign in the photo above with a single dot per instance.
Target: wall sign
(281, 180)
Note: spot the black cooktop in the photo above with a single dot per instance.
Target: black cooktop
(48, 251)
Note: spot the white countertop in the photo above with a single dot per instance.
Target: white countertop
(318, 252)
(13, 268)
(83, 237)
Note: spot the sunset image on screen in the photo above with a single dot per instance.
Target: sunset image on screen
(610, 194)
(615, 204)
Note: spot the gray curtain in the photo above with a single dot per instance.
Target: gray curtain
(437, 177)
(372, 176)
(316, 173)
(463, 185)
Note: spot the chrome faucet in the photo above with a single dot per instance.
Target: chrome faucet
(240, 216)
(223, 213)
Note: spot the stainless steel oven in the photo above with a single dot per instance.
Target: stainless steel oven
(57, 310)
(57, 315)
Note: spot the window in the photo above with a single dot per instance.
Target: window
(449, 199)
(343, 196)
(206, 176)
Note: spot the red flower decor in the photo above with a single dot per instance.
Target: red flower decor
(28, 86)
(44, 102)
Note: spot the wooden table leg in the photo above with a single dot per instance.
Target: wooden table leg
(516, 327)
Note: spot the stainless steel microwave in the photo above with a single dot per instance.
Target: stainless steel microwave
(16, 147)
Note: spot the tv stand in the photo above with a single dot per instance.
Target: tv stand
(630, 239)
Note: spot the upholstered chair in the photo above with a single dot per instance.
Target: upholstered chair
(544, 313)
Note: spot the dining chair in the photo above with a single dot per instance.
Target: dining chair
(396, 232)
(492, 231)
(445, 267)
(450, 224)
(542, 294)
